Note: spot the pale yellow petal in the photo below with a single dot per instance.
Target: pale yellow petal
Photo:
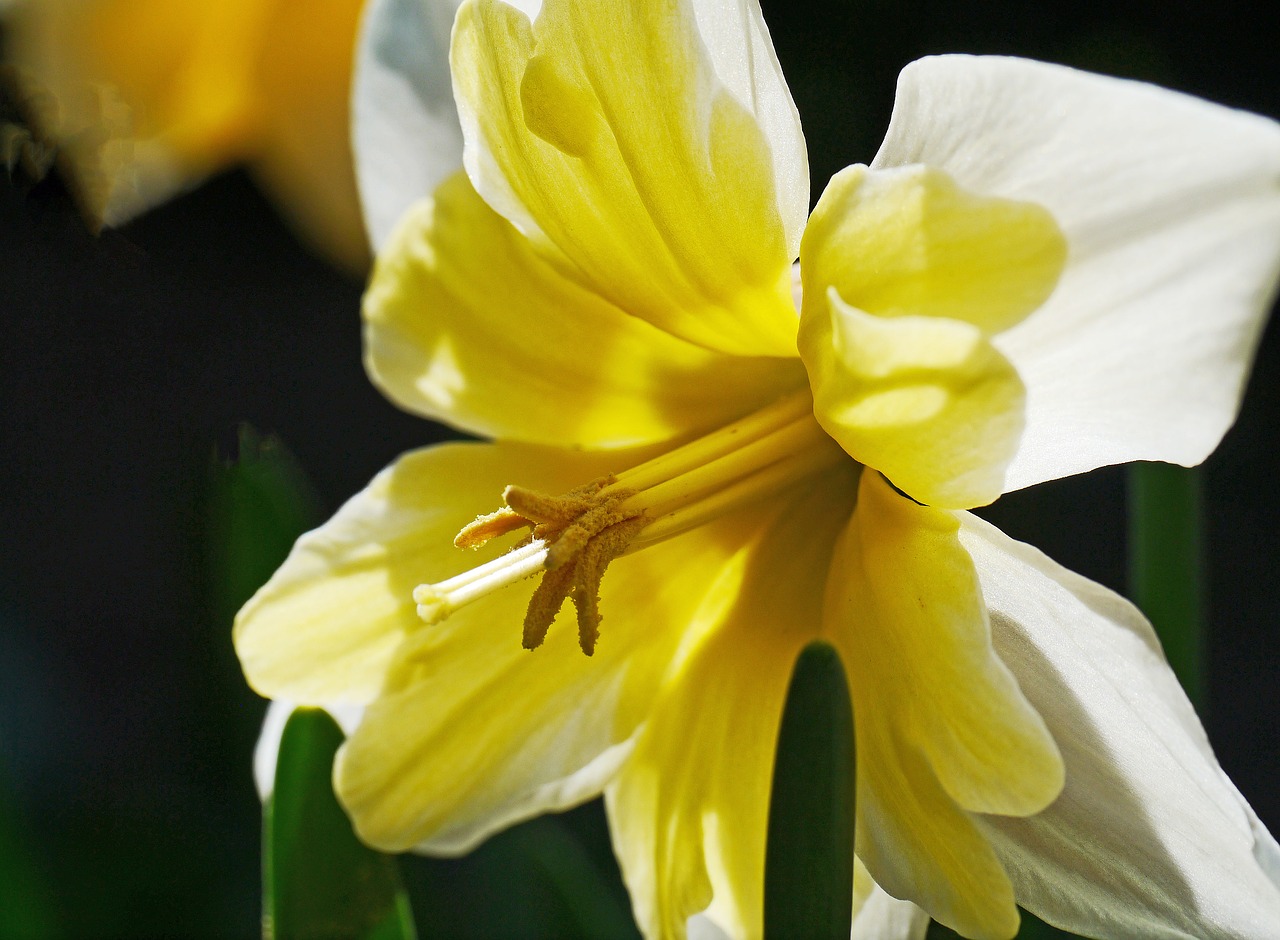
(908, 241)
(905, 277)
(689, 811)
(324, 628)
(927, 401)
(464, 323)
(740, 49)
(603, 134)
(473, 732)
(943, 729)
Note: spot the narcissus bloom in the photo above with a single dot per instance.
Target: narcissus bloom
(712, 461)
(146, 97)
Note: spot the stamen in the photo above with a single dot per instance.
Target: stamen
(590, 568)
(578, 534)
(771, 479)
(490, 526)
(437, 601)
(716, 444)
(546, 509)
(546, 602)
(589, 525)
(793, 438)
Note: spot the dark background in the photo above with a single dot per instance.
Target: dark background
(129, 360)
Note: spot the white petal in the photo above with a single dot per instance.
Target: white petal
(1171, 208)
(702, 927)
(1266, 851)
(744, 59)
(1149, 837)
(405, 130)
(878, 915)
(267, 750)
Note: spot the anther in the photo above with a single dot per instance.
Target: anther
(540, 508)
(546, 602)
(575, 536)
(489, 526)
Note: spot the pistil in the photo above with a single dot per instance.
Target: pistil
(575, 536)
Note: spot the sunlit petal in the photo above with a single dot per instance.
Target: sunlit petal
(324, 628)
(689, 810)
(907, 241)
(606, 138)
(1171, 210)
(741, 52)
(405, 133)
(927, 401)
(472, 732)
(529, 355)
(905, 277)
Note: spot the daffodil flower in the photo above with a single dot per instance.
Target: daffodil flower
(705, 459)
(147, 97)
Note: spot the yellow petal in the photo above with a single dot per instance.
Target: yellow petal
(927, 401)
(905, 276)
(324, 628)
(472, 732)
(689, 811)
(909, 241)
(303, 151)
(943, 729)
(529, 355)
(603, 134)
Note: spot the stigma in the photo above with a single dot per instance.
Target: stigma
(573, 537)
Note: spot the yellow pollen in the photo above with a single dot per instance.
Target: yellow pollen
(575, 536)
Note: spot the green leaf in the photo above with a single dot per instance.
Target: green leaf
(1165, 564)
(26, 908)
(808, 886)
(564, 866)
(556, 876)
(1033, 928)
(259, 504)
(320, 881)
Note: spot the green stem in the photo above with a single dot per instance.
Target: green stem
(808, 888)
(319, 880)
(1166, 546)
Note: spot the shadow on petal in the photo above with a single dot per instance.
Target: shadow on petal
(1096, 859)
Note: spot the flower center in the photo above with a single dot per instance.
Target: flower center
(574, 536)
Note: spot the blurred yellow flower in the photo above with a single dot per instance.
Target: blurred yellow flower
(145, 98)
